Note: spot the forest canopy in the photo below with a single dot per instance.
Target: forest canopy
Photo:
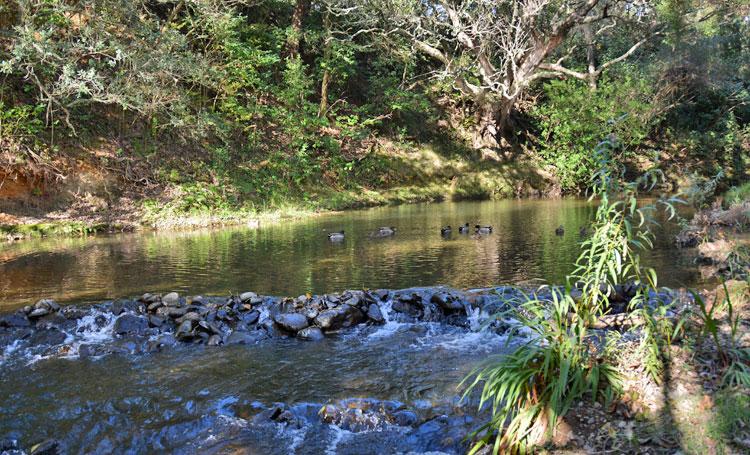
(270, 91)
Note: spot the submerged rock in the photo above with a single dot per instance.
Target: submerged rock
(311, 334)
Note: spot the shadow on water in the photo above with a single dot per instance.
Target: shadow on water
(295, 257)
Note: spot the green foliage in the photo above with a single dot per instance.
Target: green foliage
(573, 119)
(734, 357)
(737, 195)
(534, 386)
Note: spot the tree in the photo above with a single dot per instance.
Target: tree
(493, 50)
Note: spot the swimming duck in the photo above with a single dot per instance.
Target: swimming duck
(385, 231)
(464, 229)
(583, 232)
(483, 229)
(336, 236)
(445, 230)
(560, 230)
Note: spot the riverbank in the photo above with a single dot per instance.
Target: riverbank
(96, 195)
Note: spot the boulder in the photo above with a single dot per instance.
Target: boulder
(171, 299)
(185, 331)
(311, 334)
(38, 313)
(17, 319)
(292, 322)
(214, 340)
(130, 324)
(447, 302)
(339, 317)
(374, 313)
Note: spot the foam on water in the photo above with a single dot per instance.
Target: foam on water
(391, 326)
(339, 434)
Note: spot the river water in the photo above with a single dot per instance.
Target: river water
(294, 258)
(398, 381)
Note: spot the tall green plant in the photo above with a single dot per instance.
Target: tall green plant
(533, 387)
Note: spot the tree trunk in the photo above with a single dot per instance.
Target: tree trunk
(486, 133)
(298, 17)
(326, 74)
(324, 94)
(593, 76)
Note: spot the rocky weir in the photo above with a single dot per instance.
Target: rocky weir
(153, 321)
(350, 372)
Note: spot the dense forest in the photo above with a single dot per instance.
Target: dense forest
(166, 108)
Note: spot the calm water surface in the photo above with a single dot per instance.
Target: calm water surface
(295, 257)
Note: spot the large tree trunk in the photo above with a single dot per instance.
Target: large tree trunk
(298, 17)
(486, 133)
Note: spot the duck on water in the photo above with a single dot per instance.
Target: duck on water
(336, 236)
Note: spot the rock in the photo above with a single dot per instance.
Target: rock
(48, 447)
(149, 298)
(209, 327)
(47, 337)
(447, 302)
(176, 313)
(154, 306)
(121, 306)
(382, 294)
(8, 444)
(195, 317)
(241, 337)
(251, 317)
(17, 319)
(340, 317)
(185, 331)
(374, 313)
(311, 334)
(72, 312)
(156, 321)
(406, 307)
(38, 313)
(171, 299)
(214, 340)
(292, 322)
(405, 418)
(245, 297)
(130, 324)
(47, 304)
(164, 340)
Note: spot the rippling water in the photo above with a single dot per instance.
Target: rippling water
(295, 257)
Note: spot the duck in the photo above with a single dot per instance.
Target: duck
(483, 229)
(445, 230)
(384, 231)
(464, 229)
(583, 232)
(560, 230)
(336, 236)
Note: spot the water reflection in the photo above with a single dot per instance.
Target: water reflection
(295, 257)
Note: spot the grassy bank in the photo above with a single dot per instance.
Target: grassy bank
(391, 174)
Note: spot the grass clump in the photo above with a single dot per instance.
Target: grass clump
(737, 194)
(531, 389)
